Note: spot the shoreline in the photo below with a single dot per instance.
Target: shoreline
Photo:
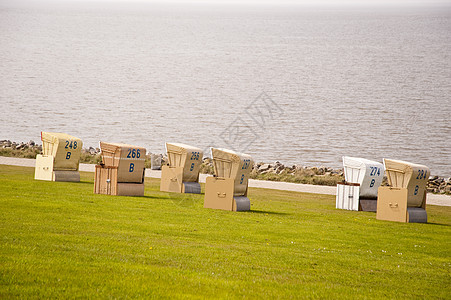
(270, 172)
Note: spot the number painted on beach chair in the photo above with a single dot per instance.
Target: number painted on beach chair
(195, 155)
(191, 168)
(416, 190)
(133, 153)
(71, 145)
(422, 174)
(132, 167)
(68, 155)
(246, 163)
(375, 171)
(242, 179)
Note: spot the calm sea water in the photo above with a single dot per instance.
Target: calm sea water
(294, 84)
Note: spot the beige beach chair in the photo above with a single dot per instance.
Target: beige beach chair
(182, 174)
(227, 190)
(60, 159)
(405, 198)
(122, 170)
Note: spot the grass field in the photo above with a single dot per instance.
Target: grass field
(59, 240)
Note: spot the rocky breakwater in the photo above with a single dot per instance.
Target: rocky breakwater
(317, 175)
(293, 173)
(14, 149)
(276, 171)
(439, 185)
(31, 149)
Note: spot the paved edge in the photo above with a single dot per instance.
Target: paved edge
(434, 199)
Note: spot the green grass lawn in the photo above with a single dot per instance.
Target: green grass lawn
(59, 240)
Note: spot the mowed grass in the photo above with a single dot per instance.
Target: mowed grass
(59, 240)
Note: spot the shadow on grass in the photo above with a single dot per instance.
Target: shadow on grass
(256, 211)
(85, 182)
(438, 224)
(151, 197)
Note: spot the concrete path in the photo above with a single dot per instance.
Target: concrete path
(434, 199)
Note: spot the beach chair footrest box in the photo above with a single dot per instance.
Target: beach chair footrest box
(44, 170)
(171, 179)
(392, 206)
(44, 167)
(219, 194)
(347, 196)
(106, 183)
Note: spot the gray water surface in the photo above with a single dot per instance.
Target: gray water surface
(327, 82)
